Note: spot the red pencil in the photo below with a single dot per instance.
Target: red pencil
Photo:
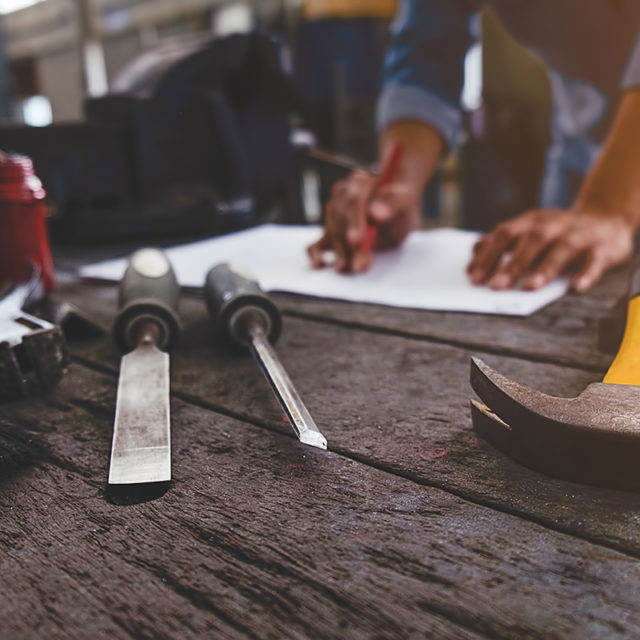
(385, 176)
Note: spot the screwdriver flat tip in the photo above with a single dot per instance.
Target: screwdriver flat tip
(314, 439)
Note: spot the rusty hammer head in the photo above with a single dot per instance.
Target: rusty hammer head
(594, 438)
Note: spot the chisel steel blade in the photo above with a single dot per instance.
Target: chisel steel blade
(141, 449)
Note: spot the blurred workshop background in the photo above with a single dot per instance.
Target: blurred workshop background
(151, 117)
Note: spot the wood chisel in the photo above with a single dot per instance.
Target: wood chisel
(146, 327)
(247, 317)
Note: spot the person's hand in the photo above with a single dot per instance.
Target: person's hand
(539, 245)
(354, 202)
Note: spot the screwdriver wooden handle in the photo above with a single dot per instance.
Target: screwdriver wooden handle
(149, 292)
(234, 298)
(625, 369)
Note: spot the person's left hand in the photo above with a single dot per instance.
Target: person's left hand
(540, 244)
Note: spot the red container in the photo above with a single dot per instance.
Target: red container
(23, 232)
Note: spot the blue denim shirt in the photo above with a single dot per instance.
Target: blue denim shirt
(591, 48)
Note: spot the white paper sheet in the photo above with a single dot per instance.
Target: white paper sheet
(426, 272)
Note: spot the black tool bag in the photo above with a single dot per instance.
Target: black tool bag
(191, 138)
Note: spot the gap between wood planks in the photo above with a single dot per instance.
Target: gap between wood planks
(468, 345)
(450, 342)
(547, 523)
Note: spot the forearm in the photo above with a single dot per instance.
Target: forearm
(596, 235)
(613, 184)
(422, 146)
(423, 76)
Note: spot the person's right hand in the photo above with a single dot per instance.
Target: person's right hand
(356, 201)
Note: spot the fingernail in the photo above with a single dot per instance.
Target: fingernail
(500, 281)
(379, 210)
(536, 282)
(581, 284)
(354, 237)
(476, 275)
(360, 262)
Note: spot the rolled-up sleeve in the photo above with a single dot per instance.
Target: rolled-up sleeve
(631, 77)
(424, 65)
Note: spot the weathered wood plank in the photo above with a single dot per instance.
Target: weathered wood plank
(399, 404)
(260, 538)
(565, 332)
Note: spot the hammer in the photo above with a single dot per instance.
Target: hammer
(593, 439)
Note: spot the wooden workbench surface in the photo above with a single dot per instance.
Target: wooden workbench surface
(408, 527)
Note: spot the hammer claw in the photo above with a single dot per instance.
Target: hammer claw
(594, 438)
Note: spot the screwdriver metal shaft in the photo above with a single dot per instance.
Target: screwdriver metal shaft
(301, 421)
(246, 317)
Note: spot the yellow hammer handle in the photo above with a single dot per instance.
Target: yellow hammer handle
(625, 368)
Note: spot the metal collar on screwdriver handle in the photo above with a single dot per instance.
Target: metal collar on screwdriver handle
(234, 298)
(246, 321)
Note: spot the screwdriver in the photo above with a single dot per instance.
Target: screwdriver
(146, 327)
(245, 316)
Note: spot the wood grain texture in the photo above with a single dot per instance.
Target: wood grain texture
(399, 404)
(565, 332)
(260, 537)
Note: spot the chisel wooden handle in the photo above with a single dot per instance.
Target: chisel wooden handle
(233, 298)
(625, 368)
(149, 292)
